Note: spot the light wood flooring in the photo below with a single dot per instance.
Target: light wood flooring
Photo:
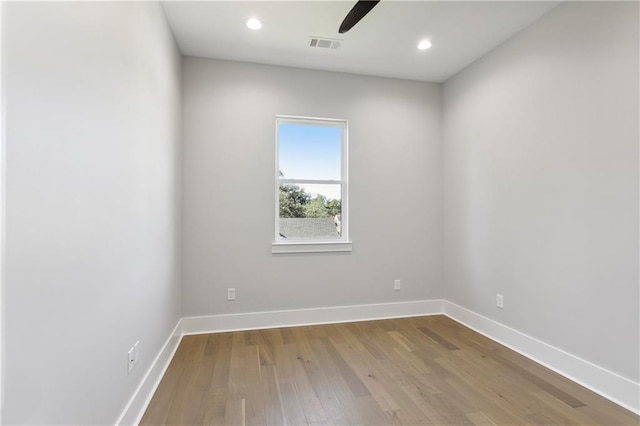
(425, 370)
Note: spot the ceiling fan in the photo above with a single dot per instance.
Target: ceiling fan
(361, 8)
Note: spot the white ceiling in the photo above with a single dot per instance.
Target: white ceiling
(383, 43)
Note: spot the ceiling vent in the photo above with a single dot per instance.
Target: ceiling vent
(325, 43)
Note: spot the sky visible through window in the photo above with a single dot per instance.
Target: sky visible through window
(311, 152)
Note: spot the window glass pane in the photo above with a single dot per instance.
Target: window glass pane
(310, 212)
(309, 152)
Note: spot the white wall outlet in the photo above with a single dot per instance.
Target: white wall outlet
(499, 301)
(131, 359)
(396, 285)
(231, 294)
(136, 353)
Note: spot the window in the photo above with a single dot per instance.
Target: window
(311, 188)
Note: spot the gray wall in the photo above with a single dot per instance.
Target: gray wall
(92, 188)
(395, 180)
(541, 183)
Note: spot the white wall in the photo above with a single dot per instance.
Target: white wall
(395, 179)
(92, 220)
(3, 129)
(541, 183)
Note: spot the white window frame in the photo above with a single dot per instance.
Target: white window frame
(342, 244)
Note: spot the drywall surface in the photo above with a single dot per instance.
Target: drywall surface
(541, 183)
(229, 111)
(3, 168)
(93, 95)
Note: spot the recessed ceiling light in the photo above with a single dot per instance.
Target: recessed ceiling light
(424, 45)
(253, 23)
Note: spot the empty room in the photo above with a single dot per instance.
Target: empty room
(320, 212)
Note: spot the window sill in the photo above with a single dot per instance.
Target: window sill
(311, 247)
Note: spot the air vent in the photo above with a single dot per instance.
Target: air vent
(325, 43)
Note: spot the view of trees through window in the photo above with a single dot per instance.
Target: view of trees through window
(295, 202)
(310, 179)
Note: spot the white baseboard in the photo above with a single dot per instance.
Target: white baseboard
(612, 386)
(312, 316)
(137, 405)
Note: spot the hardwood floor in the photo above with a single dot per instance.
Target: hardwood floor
(425, 370)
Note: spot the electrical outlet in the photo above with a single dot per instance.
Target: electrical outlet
(136, 353)
(131, 359)
(231, 294)
(396, 285)
(499, 301)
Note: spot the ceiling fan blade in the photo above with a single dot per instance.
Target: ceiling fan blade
(356, 14)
